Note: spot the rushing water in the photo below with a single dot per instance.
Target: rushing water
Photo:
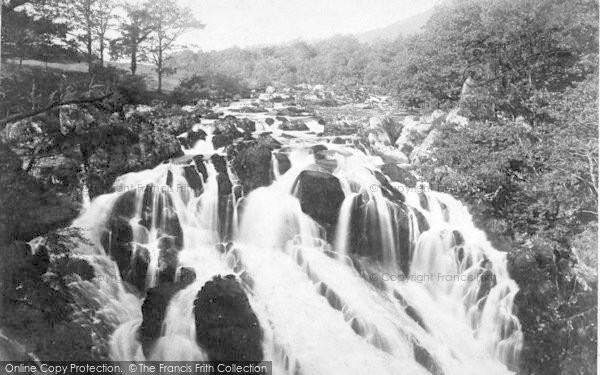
(435, 298)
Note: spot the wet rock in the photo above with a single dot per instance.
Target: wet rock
(269, 121)
(194, 136)
(283, 162)
(252, 165)
(117, 242)
(226, 327)
(136, 274)
(167, 265)
(423, 357)
(186, 275)
(387, 189)
(193, 179)
(398, 174)
(319, 151)
(320, 196)
(80, 267)
(154, 309)
(200, 166)
(219, 163)
(338, 141)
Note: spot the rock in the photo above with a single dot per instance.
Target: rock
(295, 125)
(117, 242)
(219, 163)
(269, 121)
(193, 179)
(167, 265)
(154, 308)
(268, 141)
(425, 149)
(200, 166)
(139, 268)
(390, 154)
(319, 151)
(283, 162)
(186, 275)
(320, 196)
(194, 136)
(226, 327)
(397, 174)
(338, 141)
(456, 119)
(221, 140)
(80, 267)
(252, 165)
(248, 126)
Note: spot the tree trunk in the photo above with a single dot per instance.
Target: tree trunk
(159, 66)
(133, 59)
(101, 50)
(89, 50)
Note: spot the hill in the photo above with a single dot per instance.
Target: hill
(407, 26)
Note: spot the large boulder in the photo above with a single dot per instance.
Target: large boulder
(294, 125)
(320, 196)
(226, 327)
(252, 165)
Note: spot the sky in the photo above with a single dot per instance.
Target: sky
(245, 23)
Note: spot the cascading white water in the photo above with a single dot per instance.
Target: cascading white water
(324, 308)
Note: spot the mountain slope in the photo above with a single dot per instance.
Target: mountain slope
(407, 26)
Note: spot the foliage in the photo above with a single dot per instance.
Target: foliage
(538, 180)
(136, 27)
(213, 87)
(169, 21)
(34, 35)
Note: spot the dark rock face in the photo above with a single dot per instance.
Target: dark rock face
(193, 179)
(80, 267)
(283, 161)
(139, 267)
(388, 190)
(200, 166)
(247, 125)
(398, 174)
(226, 326)
(320, 196)
(252, 165)
(269, 121)
(557, 310)
(117, 242)
(154, 309)
(194, 136)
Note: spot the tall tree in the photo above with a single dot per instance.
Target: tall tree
(90, 20)
(102, 21)
(169, 22)
(135, 29)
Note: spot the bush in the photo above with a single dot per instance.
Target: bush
(213, 87)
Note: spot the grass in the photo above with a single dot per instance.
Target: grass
(146, 70)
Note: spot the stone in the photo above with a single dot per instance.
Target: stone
(226, 327)
(320, 196)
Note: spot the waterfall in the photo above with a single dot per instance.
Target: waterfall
(392, 283)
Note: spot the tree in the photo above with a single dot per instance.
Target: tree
(169, 22)
(90, 20)
(32, 32)
(135, 30)
(103, 20)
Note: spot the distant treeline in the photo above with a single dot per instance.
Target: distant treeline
(507, 50)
